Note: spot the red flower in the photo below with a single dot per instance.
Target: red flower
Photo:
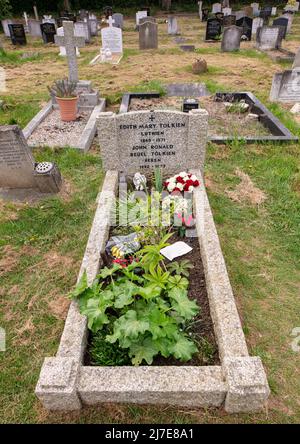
(177, 189)
(196, 183)
(179, 179)
(166, 184)
(188, 184)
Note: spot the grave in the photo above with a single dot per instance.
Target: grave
(139, 15)
(226, 11)
(48, 32)
(286, 86)
(223, 127)
(70, 42)
(118, 20)
(283, 23)
(255, 8)
(231, 38)
(246, 24)
(172, 25)
(17, 34)
(46, 128)
(48, 19)
(290, 18)
(213, 30)
(258, 22)
(20, 175)
(216, 7)
(5, 26)
(34, 28)
(229, 20)
(267, 38)
(81, 29)
(148, 38)
(238, 381)
(112, 44)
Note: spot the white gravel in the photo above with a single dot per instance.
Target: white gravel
(53, 132)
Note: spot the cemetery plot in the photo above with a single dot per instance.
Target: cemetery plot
(252, 121)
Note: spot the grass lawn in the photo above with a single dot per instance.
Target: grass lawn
(254, 192)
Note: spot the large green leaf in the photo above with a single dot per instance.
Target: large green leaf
(183, 348)
(143, 350)
(128, 326)
(105, 272)
(178, 282)
(182, 304)
(95, 312)
(161, 325)
(150, 291)
(124, 293)
(80, 287)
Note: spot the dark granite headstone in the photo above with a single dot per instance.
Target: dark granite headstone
(17, 34)
(186, 90)
(219, 16)
(48, 32)
(283, 23)
(213, 30)
(229, 20)
(246, 24)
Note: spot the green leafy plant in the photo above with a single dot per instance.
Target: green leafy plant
(181, 267)
(143, 314)
(63, 89)
(158, 180)
(5, 9)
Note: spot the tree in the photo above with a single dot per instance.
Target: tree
(5, 9)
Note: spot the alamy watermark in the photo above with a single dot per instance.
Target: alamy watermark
(2, 340)
(295, 344)
(2, 80)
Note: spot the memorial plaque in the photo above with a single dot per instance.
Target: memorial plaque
(286, 86)
(48, 32)
(170, 140)
(16, 161)
(246, 24)
(213, 30)
(17, 34)
(283, 23)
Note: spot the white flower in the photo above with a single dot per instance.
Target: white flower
(182, 174)
(193, 177)
(171, 186)
(172, 179)
(190, 188)
(180, 186)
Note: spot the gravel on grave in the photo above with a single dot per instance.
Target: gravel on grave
(220, 122)
(52, 131)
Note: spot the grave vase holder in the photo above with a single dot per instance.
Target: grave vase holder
(67, 108)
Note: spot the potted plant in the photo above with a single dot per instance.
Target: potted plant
(66, 97)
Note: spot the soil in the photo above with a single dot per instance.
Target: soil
(52, 131)
(202, 329)
(221, 122)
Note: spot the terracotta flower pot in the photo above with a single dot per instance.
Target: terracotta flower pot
(68, 108)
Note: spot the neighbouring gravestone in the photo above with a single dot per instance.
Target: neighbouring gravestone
(268, 38)
(139, 15)
(216, 7)
(18, 169)
(5, 27)
(83, 13)
(118, 20)
(255, 7)
(258, 22)
(172, 25)
(17, 34)
(205, 14)
(239, 15)
(213, 30)
(200, 10)
(93, 25)
(62, 49)
(282, 22)
(246, 24)
(229, 20)
(170, 140)
(81, 29)
(148, 35)
(112, 38)
(219, 16)
(147, 19)
(274, 11)
(226, 11)
(296, 63)
(48, 32)
(34, 28)
(70, 42)
(290, 21)
(286, 86)
(231, 38)
(265, 15)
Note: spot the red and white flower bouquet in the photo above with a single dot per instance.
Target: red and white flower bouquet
(182, 182)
